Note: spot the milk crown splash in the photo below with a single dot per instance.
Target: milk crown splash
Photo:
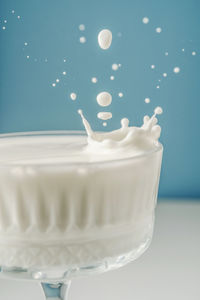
(127, 138)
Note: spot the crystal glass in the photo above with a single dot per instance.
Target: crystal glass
(52, 230)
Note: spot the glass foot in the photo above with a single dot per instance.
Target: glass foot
(56, 291)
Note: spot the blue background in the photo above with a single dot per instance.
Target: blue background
(50, 27)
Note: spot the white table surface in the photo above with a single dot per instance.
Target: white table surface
(169, 270)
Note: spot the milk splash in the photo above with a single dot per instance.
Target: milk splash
(128, 138)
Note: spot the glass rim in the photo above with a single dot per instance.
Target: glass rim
(64, 164)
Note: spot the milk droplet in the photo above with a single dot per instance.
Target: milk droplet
(18, 17)
(27, 56)
(104, 99)
(64, 60)
(183, 49)
(94, 79)
(166, 53)
(112, 77)
(153, 66)
(64, 72)
(193, 53)
(176, 70)
(57, 80)
(147, 100)
(82, 39)
(3, 27)
(158, 110)
(146, 119)
(119, 65)
(157, 86)
(104, 124)
(145, 20)
(164, 74)
(13, 11)
(105, 39)
(124, 122)
(25, 44)
(81, 27)
(115, 67)
(53, 84)
(5, 21)
(158, 29)
(104, 115)
(120, 95)
(73, 96)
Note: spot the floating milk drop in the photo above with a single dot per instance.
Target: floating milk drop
(112, 77)
(27, 56)
(158, 29)
(147, 100)
(64, 60)
(158, 110)
(94, 79)
(53, 84)
(5, 21)
(3, 27)
(176, 70)
(119, 65)
(183, 49)
(164, 74)
(18, 17)
(115, 67)
(166, 53)
(25, 44)
(82, 39)
(145, 20)
(104, 115)
(157, 86)
(105, 39)
(81, 27)
(104, 124)
(13, 11)
(104, 99)
(73, 96)
(153, 66)
(57, 80)
(193, 53)
(64, 72)
(120, 95)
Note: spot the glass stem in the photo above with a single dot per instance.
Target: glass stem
(56, 291)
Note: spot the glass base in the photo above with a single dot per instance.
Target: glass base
(56, 291)
(64, 274)
(55, 281)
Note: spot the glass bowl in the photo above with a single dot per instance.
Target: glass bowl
(61, 220)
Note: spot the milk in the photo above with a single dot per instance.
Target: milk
(105, 39)
(64, 204)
